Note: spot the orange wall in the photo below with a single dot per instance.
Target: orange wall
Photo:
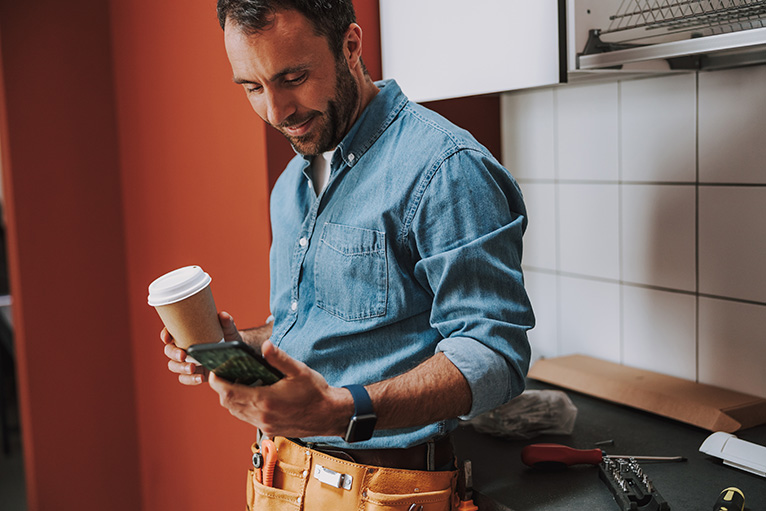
(127, 151)
(194, 186)
(67, 256)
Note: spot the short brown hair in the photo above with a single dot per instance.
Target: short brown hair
(330, 18)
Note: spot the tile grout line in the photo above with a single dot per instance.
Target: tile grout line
(620, 221)
(557, 213)
(695, 183)
(697, 226)
(639, 285)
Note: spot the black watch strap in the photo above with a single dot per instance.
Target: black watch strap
(362, 424)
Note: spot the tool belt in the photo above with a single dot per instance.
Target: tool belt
(305, 479)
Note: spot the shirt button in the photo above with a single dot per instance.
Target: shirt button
(303, 242)
(294, 306)
(351, 157)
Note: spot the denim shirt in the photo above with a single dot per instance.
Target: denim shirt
(413, 248)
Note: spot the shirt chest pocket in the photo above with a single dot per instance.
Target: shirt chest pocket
(351, 272)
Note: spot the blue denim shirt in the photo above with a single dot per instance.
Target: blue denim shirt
(413, 248)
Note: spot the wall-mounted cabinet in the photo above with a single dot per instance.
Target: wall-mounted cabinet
(439, 49)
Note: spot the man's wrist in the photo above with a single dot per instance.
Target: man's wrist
(255, 337)
(343, 408)
(361, 426)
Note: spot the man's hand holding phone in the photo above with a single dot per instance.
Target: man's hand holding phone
(302, 403)
(188, 372)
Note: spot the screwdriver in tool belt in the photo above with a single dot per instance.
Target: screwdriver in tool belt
(556, 456)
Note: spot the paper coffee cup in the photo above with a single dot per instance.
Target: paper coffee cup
(184, 302)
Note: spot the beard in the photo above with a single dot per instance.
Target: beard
(332, 124)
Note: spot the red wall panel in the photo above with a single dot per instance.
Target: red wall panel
(67, 256)
(194, 182)
(478, 114)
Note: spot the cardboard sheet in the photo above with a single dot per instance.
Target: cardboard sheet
(705, 406)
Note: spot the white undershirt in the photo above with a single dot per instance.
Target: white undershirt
(320, 170)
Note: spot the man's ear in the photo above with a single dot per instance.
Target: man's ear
(352, 45)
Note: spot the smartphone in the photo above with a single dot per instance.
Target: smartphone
(236, 362)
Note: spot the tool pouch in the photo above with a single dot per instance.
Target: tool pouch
(309, 480)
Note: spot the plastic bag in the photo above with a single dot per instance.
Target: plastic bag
(533, 413)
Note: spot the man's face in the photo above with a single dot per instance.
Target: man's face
(294, 83)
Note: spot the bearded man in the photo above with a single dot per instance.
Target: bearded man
(397, 294)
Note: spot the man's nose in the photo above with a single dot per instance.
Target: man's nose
(279, 106)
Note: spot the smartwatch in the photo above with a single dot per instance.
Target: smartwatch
(362, 423)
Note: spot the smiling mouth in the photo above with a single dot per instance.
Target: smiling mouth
(298, 130)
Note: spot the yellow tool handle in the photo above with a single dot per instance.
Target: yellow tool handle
(730, 499)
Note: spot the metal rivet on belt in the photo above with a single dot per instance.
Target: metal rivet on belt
(305, 473)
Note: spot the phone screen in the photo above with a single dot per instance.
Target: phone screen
(235, 362)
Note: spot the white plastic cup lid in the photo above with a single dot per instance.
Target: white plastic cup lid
(177, 285)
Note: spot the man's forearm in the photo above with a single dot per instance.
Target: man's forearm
(255, 337)
(304, 404)
(433, 391)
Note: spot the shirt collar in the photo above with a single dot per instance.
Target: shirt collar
(373, 121)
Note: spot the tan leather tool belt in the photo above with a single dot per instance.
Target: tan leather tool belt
(310, 480)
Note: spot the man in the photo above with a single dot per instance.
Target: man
(396, 285)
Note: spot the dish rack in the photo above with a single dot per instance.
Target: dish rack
(680, 29)
(704, 17)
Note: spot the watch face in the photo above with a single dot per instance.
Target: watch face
(361, 427)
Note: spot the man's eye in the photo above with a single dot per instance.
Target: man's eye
(252, 89)
(296, 80)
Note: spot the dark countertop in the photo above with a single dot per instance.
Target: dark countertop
(693, 485)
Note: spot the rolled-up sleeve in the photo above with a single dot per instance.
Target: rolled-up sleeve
(467, 234)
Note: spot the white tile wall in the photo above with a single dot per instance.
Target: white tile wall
(657, 126)
(659, 331)
(587, 129)
(731, 345)
(658, 242)
(540, 244)
(732, 241)
(732, 132)
(590, 318)
(589, 230)
(653, 251)
(541, 288)
(528, 134)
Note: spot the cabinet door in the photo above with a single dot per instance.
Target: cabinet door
(439, 49)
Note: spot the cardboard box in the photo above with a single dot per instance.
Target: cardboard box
(706, 406)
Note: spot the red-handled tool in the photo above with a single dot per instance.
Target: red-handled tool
(556, 456)
(269, 450)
